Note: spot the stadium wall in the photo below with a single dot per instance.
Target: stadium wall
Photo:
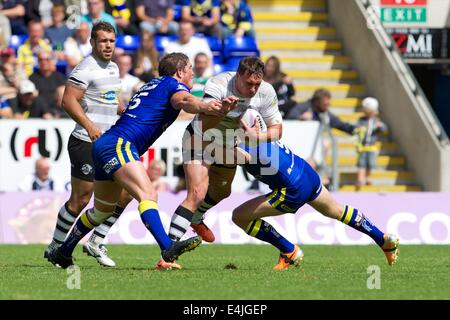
(386, 79)
(417, 218)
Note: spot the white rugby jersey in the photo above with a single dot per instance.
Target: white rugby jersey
(101, 83)
(264, 101)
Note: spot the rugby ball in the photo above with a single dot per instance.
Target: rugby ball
(253, 118)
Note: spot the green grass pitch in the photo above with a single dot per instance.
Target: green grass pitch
(328, 272)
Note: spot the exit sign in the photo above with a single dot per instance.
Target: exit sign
(404, 2)
(402, 14)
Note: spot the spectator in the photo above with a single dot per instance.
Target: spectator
(130, 83)
(236, 18)
(317, 109)
(369, 127)
(146, 58)
(124, 17)
(30, 104)
(204, 15)
(40, 10)
(76, 49)
(156, 16)
(5, 109)
(156, 170)
(14, 10)
(281, 83)
(191, 45)
(11, 76)
(5, 31)
(58, 31)
(40, 180)
(47, 81)
(200, 78)
(27, 53)
(96, 13)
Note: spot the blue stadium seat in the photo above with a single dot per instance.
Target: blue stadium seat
(130, 43)
(240, 47)
(177, 10)
(216, 46)
(218, 68)
(232, 63)
(17, 40)
(162, 41)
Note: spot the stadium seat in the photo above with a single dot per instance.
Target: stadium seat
(232, 63)
(17, 40)
(177, 10)
(130, 43)
(162, 41)
(216, 46)
(240, 47)
(218, 68)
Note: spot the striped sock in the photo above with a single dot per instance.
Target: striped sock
(64, 223)
(264, 231)
(181, 220)
(102, 230)
(82, 227)
(150, 217)
(358, 221)
(206, 204)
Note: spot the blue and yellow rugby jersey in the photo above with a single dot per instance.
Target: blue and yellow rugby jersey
(292, 180)
(274, 164)
(149, 113)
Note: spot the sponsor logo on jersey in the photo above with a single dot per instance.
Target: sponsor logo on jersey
(109, 95)
(111, 164)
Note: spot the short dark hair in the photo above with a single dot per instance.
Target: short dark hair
(321, 93)
(102, 25)
(253, 65)
(171, 63)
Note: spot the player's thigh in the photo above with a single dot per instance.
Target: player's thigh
(133, 177)
(196, 174)
(106, 195)
(253, 209)
(327, 205)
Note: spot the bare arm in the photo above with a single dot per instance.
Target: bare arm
(189, 103)
(140, 13)
(71, 103)
(17, 11)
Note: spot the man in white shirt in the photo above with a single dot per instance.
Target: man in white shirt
(130, 83)
(191, 45)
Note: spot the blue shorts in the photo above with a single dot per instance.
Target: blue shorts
(290, 199)
(110, 153)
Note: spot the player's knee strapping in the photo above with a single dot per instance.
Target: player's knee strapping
(150, 217)
(264, 231)
(358, 221)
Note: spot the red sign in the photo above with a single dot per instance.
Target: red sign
(404, 2)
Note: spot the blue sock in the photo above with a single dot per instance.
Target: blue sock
(264, 231)
(358, 221)
(150, 217)
(80, 229)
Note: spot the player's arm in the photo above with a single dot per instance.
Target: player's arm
(186, 101)
(71, 103)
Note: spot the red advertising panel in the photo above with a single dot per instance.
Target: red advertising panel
(404, 2)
